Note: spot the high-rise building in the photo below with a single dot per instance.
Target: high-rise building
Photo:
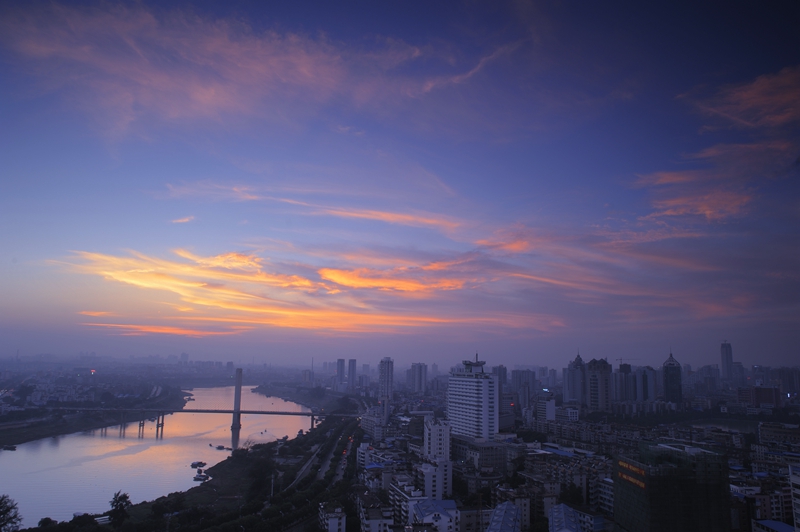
(727, 361)
(419, 377)
(624, 384)
(523, 380)
(385, 385)
(794, 477)
(436, 439)
(437, 475)
(672, 487)
(473, 401)
(673, 393)
(352, 379)
(575, 382)
(340, 370)
(502, 374)
(645, 384)
(541, 373)
(598, 378)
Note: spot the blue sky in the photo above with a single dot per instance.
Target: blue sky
(248, 181)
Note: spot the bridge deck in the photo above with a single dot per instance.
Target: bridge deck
(204, 411)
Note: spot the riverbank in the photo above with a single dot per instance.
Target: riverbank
(58, 423)
(267, 487)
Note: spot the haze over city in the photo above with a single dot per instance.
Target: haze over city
(270, 183)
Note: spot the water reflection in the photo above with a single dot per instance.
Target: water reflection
(57, 476)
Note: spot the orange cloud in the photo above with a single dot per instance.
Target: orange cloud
(183, 220)
(229, 261)
(512, 245)
(390, 217)
(96, 313)
(382, 280)
(234, 288)
(138, 330)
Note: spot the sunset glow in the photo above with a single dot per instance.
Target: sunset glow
(250, 180)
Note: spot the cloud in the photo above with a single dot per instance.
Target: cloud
(645, 275)
(460, 78)
(96, 313)
(512, 240)
(235, 288)
(768, 102)
(183, 220)
(129, 63)
(727, 177)
(397, 280)
(139, 330)
(416, 220)
(714, 205)
(220, 192)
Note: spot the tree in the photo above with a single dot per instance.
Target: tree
(119, 509)
(9, 515)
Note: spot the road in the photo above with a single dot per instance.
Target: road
(304, 470)
(343, 463)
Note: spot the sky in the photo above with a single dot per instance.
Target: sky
(270, 182)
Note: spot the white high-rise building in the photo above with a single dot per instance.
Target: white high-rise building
(473, 403)
(437, 474)
(436, 440)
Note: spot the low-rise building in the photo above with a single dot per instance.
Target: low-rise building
(443, 516)
(332, 517)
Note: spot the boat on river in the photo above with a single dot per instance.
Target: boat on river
(195, 465)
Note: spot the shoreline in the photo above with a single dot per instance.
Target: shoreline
(55, 425)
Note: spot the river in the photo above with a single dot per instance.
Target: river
(55, 477)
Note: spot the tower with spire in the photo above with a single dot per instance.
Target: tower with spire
(575, 388)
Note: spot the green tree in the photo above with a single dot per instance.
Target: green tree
(119, 509)
(9, 515)
(46, 521)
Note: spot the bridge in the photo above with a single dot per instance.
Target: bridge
(202, 411)
(236, 412)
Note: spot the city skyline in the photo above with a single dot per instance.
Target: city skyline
(269, 183)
